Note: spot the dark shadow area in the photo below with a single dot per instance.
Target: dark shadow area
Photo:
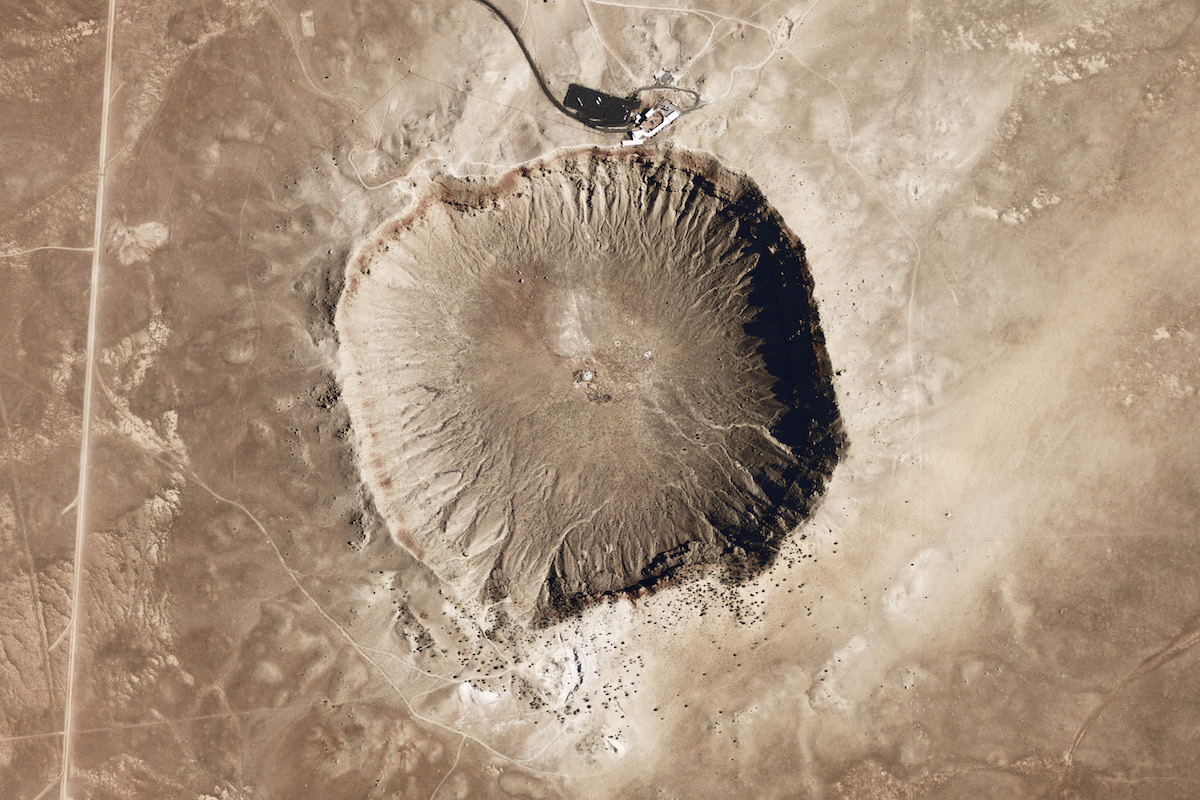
(793, 349)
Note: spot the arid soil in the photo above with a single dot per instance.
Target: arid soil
(205, 587)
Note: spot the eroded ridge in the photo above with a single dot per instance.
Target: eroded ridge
(602, 369)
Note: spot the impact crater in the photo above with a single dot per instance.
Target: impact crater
(599, 372)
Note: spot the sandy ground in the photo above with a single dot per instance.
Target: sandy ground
(997, 202)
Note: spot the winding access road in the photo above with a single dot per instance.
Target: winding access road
(541, 80)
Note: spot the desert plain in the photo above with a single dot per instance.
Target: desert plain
(214, 584)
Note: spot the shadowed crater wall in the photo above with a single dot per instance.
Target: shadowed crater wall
(603, 369)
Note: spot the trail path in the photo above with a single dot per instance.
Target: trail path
(45, 247)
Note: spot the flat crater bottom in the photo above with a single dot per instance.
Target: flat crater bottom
(602, 371)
